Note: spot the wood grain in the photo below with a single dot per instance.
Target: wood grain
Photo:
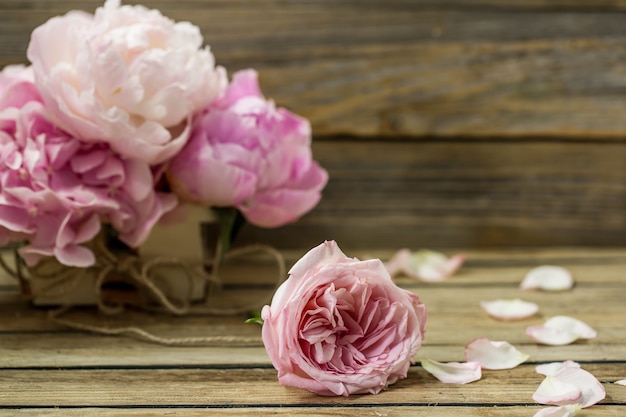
(418, 68)
(47, 370)
(248, 387)
(374, 410)
(433, 193)
(457, 123)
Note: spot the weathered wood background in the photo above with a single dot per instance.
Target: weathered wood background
(443, 123)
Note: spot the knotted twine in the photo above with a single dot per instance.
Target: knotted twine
(134, 270)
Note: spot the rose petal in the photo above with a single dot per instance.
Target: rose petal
(494, 355)
(569, 410)
(548, 278)
(561, 330)
(515, 309)
(556, 388)
(621, 382)
(548, 336)
(425, 265)
(553, 390)
(573, 325)
(453, 372)
(549, 369)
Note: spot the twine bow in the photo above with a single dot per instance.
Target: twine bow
(130, 268)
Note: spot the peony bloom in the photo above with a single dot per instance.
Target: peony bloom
(55, 190)
(126, 75)
(340, 326)
(245, 152)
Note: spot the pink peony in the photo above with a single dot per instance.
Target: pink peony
(245, 152)
(340, 326)
(55, 190)
(126, 75)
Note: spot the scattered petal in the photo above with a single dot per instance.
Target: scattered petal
(549, 369)
(548, 278)
(494, 355)
(561, 330)
(515, 309)
(425, 265)
(573, 325)
(548, 336)
(563, 384)
(569, 410)
(555, 391)
(621, 382)
(453, 372)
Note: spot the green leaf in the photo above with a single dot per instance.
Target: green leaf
(256, 317)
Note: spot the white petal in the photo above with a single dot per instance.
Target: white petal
(591, 389)
(453, 372)
(570, 373)
(550, 336)
(431, 266)
(583, 330)
(621, 382)
(561, 330)
(549, 369)
(569, 410)
(397, 262)
(494, 355)
(515, 309)
(548, 278)
(553, 390)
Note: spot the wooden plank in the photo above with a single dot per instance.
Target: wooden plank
(71, 351)
(254, 387)
(416, 68)
(436, 193)
(293, 411)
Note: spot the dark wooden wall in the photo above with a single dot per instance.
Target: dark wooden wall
(443, 123)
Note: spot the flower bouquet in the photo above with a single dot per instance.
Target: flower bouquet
(122, 121)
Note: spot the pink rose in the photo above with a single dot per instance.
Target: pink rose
(126, 75)
(245, 152)
(55, 191)
(340, 326)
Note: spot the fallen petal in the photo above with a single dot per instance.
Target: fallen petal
(549, 336)
(582, 329)
(553, 390)
(427, 265)
(494, 355)
(548, 278)
(549, 369)
(569, 410)
(564, 375)
(621, 382)
(591, 389)
(397, 262)
(515, 309)
(453, 372)
(561, 330)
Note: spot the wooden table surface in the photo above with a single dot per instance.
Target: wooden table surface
(48, 370)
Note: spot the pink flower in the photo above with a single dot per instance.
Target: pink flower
(16, 86)
(340, 326)
(126, 75)
(245, 152)
(55, 190)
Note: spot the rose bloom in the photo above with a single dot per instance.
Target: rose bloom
(340, 326)
(55, 191)
(126, 75)
(246, 153)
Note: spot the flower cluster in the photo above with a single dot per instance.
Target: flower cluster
(122, 117)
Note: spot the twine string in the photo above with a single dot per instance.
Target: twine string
(132, 269)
